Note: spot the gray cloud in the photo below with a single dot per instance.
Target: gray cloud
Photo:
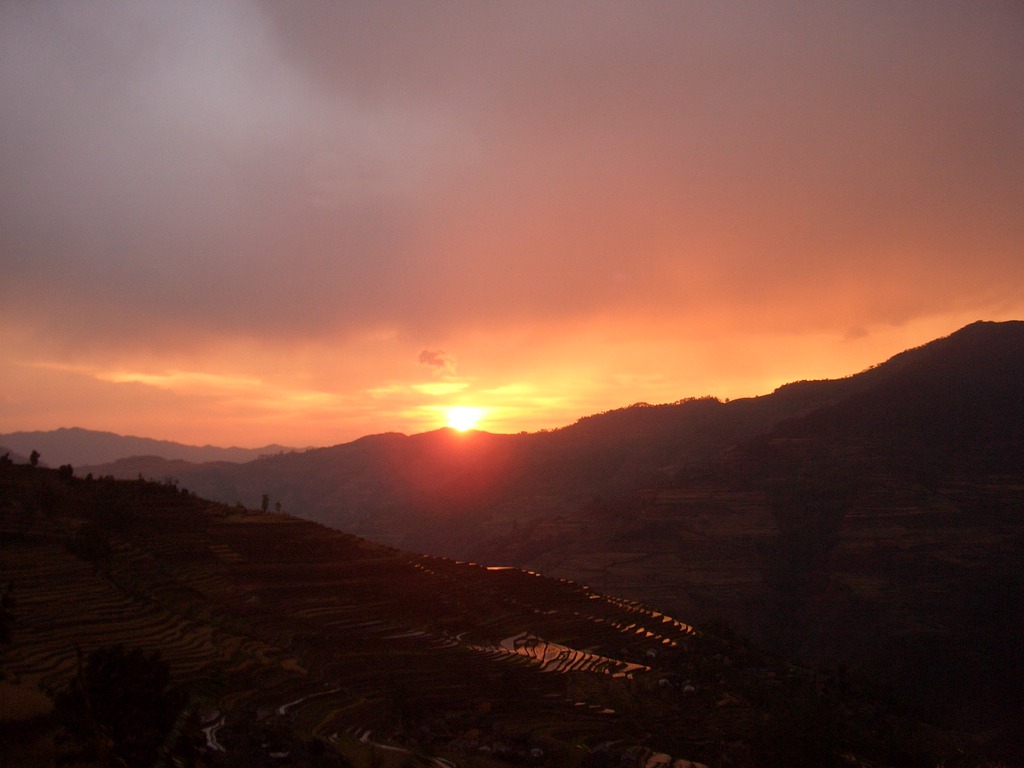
(275, 170)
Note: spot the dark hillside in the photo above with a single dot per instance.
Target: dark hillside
(287, 638)
(955, 400)
(440, 491)
(954, 405)
(874, 521)
(884, 530)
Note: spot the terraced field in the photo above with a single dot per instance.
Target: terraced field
(300, 645)
(270, 619)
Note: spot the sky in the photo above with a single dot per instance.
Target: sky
(237, 223)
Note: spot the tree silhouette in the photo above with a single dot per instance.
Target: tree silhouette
(120, 707)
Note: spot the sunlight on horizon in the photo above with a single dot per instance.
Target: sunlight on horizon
(463, 417)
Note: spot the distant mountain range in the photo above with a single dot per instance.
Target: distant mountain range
(78, 446)
(875, 521)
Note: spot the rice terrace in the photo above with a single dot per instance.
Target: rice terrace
(293, 644)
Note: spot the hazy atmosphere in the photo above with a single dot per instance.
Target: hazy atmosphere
(249, 222)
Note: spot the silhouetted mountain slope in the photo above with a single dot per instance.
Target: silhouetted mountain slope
(397, 488)
(295, 644)
(882, 530)
(874, 521)
(78, 446)
(954, 404)
(400, 488)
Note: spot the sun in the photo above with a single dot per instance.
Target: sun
(463, 417)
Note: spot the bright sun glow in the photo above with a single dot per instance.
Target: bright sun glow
(463, 417)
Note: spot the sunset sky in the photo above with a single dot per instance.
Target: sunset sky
(249, 222)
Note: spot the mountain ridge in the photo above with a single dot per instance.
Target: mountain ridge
(95, 448)
(604, 455)
(78, 446)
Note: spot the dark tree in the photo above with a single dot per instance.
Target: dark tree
(120, 707)
(33, 458)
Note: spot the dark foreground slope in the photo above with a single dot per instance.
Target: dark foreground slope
(298, 645)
